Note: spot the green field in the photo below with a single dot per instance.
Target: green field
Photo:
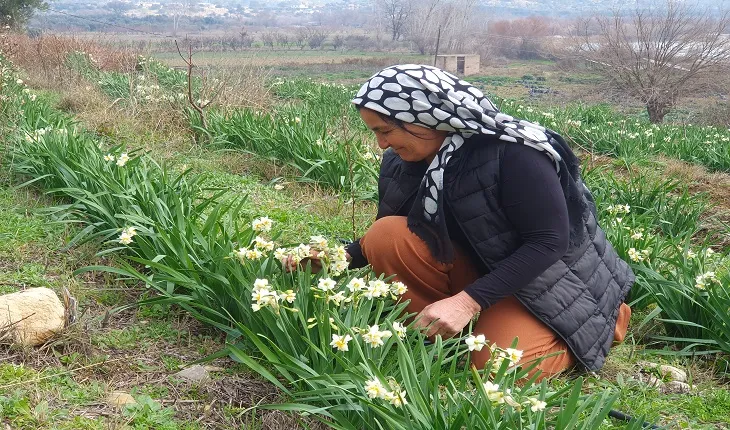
(298, 154)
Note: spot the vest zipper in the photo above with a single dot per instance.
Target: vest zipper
(580, 360)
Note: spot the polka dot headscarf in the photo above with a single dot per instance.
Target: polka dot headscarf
(432, 98)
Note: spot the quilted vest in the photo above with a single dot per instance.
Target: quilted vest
(578, 296)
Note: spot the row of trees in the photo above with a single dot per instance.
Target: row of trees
(657, 56)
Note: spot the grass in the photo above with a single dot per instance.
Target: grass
(634, 399)
(52, 389)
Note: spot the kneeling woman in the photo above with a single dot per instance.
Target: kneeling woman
(484, 214)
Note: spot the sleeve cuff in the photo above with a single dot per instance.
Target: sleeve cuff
(471, 291)
(357, 258)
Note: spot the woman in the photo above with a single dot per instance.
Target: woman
(484, 214)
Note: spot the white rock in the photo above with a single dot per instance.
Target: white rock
(673, 373)
(196, 373)
(119, 399)
(676, 387)
(32, 316)
(650, 380)
(666, 371)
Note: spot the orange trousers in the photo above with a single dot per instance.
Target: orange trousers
(392, 249)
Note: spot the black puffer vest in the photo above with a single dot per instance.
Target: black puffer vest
(578, 296)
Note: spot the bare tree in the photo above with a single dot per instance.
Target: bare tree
(316, 37)
(282, 38)
(396, 13)
(301, 35)
(657, 56)
(338, 41)
(268, 38)
(423, 25)
(521, 38)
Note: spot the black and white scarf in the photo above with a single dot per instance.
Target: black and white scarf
(433, 98)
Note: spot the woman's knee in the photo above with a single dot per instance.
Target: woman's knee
(384, 235)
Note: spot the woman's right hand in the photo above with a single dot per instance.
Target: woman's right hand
(290, 265)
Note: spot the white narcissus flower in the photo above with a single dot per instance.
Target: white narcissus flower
(262, 224)
(340, 342)
(303, 251)
(326, 284)
(635, 256)
(240, 253)
(318, 242)
(262, 296)
(253, 254)
(374, 337)
(514, 355)
(536, 404)
(280, 254)
(125, 238)
(374, 389)
(278, 187)
(297, 120)
(356, 284)
(494, 394)
(109, 157)
(263, 244)
(339, 298)
(122, 159)
(637, 235)
(19, 81)
(398, 288)
(337, 267)
(476, 343)
(261, 284)
(289, 296)
(400, 329)
(377, 288)
(396, 398)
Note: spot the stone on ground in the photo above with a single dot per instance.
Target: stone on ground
(119, 399)
(196, 373)
(31, 317)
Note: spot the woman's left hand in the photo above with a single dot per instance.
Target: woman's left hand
(449, 316)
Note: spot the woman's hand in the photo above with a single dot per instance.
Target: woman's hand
(290, 265)
(449, 316)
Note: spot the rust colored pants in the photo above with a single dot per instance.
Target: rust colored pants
(392, 249)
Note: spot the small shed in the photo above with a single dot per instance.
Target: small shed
(460, 64)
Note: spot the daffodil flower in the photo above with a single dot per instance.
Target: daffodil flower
(476, 343)
(262, 224)
(340, 342)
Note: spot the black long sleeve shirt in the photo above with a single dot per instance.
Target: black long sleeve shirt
(533, 201)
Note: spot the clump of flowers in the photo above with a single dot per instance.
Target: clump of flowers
(262, 225)
(263, 295)
(702, 281)
(122, 159)
(375, 337)
(376, 390)
(499, 396)
(333, 258)
(638, 256)
(260, 245)
(512, 355)
(125, 238)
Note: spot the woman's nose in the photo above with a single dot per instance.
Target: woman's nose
(382, 142)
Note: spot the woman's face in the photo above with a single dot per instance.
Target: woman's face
(423, 144)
